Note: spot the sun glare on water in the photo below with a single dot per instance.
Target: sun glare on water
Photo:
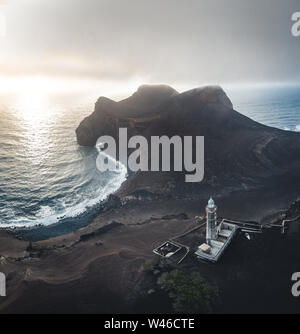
(35, 111)
(33, 100)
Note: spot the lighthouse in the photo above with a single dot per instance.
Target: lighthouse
(218, 237)
(211, 221)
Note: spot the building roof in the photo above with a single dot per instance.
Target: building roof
(205, 248)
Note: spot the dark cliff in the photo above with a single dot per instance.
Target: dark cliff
(239, 152)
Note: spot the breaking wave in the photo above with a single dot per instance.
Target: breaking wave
(45, 177)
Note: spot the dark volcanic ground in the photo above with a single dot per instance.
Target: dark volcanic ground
(100, 270)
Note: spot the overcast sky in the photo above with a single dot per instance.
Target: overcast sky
(170, 41)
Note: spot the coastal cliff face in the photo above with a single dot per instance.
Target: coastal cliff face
(239, 152)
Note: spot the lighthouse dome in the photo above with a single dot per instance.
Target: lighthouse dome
(211, 203)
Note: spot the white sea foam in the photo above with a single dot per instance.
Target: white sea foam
(47, 215)
(297, 128)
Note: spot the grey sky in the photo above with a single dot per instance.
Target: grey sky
(190, 41)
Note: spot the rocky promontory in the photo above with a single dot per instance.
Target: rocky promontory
(240, 154)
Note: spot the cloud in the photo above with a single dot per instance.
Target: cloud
(163, 41)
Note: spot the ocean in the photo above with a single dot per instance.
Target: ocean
(45, 176)
(47, 180)
(276, 106)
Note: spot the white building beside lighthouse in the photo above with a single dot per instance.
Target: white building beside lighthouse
(218, 237)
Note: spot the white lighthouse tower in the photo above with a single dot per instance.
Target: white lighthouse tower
(218, 237)
(211, 221)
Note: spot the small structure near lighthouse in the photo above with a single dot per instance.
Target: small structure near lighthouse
(208, 240)
(218, 237)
